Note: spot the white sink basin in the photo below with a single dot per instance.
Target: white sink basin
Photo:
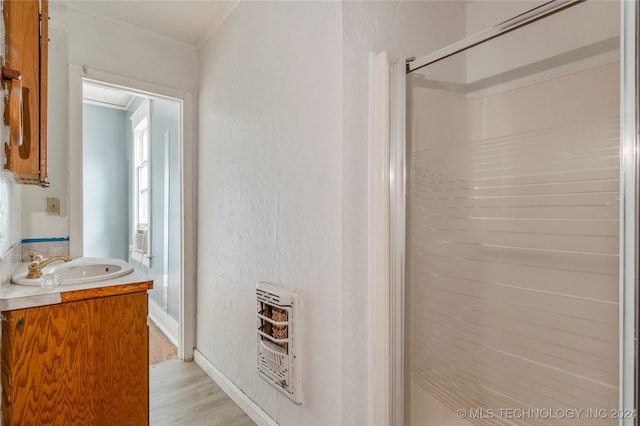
(81, 270)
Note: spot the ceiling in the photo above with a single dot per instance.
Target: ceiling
(105, 96)
(188, 21)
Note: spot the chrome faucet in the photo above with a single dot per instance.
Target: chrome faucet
(37, 263)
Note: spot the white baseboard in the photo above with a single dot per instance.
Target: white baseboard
(251, 409)
(169, 326)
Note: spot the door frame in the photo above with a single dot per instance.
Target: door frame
(77, 73)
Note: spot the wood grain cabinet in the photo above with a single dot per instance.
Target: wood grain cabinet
(77, 363)
(26, 41)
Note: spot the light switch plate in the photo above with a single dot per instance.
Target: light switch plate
(53, 206)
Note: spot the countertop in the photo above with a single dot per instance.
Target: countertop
(16, 296)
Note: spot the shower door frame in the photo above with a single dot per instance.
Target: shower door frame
(389, 384)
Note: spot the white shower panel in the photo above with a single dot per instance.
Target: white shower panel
(513, 229)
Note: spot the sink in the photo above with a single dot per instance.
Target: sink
(78, 271)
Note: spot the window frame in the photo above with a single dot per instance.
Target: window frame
(140, 250)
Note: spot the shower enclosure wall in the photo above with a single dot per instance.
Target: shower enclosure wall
(515, 194)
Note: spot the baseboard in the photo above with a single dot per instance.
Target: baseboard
(169, 326)
(250, 408)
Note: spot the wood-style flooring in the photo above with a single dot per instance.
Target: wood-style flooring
(160, 348)
(182, 394)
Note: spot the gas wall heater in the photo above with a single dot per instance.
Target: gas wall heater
(279, 339)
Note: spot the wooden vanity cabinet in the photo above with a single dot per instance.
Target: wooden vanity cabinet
(26, 47)
(82, 362)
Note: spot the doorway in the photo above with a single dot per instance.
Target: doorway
(129, 150)
(131, 189)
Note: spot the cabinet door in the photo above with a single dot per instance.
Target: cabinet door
(38, 345)
(77, 363)
(123, 361)
(26, 39)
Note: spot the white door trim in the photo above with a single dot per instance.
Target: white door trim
(187, 332)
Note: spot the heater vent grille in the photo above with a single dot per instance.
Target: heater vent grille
(279, 356)
(268, 296)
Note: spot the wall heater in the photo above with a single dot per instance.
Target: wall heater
(279, 339)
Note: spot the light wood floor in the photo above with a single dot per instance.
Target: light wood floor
(182, 394)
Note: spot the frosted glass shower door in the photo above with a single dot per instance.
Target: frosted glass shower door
(513, 195)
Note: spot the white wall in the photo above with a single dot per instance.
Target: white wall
(283, 186)
(9, 212)
(270, 200)
(482, 14)
(119, 49)
(537, 42)
(9, 193)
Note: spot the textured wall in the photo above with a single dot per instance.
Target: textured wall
(283, 186)
(9, 193)
(270, 201)
(9, 212)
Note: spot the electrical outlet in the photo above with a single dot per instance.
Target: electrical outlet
(53, 206)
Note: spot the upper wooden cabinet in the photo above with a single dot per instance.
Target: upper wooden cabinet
(26, 40)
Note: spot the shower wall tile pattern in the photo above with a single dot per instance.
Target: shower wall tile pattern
(512, 270)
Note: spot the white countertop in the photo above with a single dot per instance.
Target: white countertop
(14, 296)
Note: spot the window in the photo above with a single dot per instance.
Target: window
(141, 189)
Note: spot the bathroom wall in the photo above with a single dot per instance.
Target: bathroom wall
(10, 196)
(165, 133)
(165, 218)
(270, 200)
(283, 178)
(104, 45)
(10, 250)
(9, 212)
(105, 182)
(481, 14)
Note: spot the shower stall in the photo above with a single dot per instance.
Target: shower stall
(516, 285)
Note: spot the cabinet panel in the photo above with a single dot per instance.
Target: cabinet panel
(80, 363)
(124, 363)
(26, 51)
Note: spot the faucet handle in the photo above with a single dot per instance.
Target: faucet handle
(33, 256)
(34, 269)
